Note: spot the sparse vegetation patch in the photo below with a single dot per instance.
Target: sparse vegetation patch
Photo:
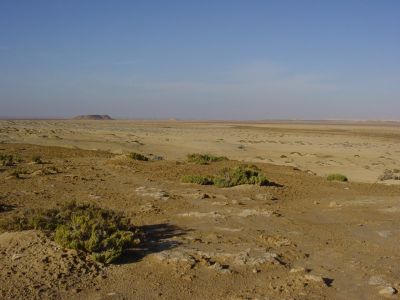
(37, 159)
(103, 234)
(156, 157)
(51, 170)
(138, 156)
(204, 159)
(246, 174)
(393, 174)
(18, 173)
(198, 179)
(337, 177)
(6, 160)
(228, 177)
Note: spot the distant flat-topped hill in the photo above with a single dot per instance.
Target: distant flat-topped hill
(93, 117)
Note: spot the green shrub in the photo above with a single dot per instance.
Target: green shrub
(228, 177)
(204, 159)
(37, 159)
(6, 160)
(138, 156)
(198, 179)
(245, 174)
(101, 233)
(337, 177)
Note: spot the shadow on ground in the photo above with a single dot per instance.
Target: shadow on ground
(274, 184)
(156, 238)
(6, 207)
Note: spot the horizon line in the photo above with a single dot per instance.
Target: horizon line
(356, 120)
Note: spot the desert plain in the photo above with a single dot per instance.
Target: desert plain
(299, 237)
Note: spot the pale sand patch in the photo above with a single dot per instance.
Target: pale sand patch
(361, 151)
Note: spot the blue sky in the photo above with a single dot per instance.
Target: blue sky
(200, 59)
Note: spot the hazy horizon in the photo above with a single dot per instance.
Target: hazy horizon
(22, 118)
(225, 60)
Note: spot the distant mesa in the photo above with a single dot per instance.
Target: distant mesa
(93, 117)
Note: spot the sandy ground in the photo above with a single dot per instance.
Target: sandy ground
(301, 238)
(361, 151)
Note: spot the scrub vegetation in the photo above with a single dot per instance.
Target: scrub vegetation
(103, 234)
(204, 159)
(229, 177)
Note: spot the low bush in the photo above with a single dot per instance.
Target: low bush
(204, 159)
(138, 156)
(37, 159)
(6, 160)
(198, 179)
(245, 174)
(337, 177)
(228, 177)
(103, 234)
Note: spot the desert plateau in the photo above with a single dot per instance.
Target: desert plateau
(292, 235)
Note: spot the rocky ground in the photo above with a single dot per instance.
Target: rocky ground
(302, 237)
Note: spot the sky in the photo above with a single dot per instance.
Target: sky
(228, 60)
